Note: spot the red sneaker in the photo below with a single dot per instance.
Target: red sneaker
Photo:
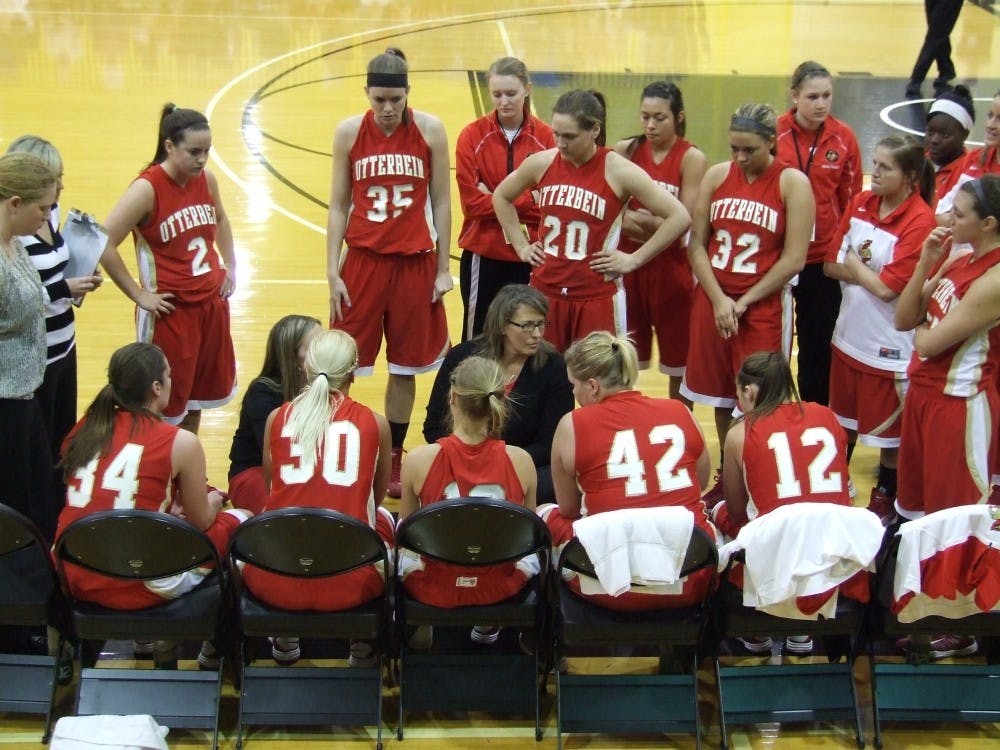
(395, 488)
(945, 646)
(881, 504)
(714, 494)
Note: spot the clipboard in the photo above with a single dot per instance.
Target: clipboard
(85, 240)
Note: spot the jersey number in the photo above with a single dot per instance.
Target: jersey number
(624, 461)
(575, 243)
(341, 457)
(199, 266)
(379, 194)
(747, 245)
(121, 476)
(821, 479)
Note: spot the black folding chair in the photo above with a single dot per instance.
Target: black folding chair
(919, 690)
(29, 598)
(474, 532)
(630, 703)
(310, 543)
(140, 545)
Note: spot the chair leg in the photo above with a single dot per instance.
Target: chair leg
(218, 701)
(697, 712)
(559, 742)
(242, 693)
(859, 736)
(871, 663)
(402, 667)
(47, 731)
(378, 711)
(724, 741)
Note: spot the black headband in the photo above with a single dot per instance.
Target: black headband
(748, 124)
(388, 80)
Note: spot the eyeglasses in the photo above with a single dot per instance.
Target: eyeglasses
(530, 326)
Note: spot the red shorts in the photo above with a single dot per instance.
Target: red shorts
(442, 585)
(713, 362)
(867, 400)
(197, 343)
(695, 586)
(658, 301)
(944, 454)
(247, 490)
(330, 594)
(129, 595)
(572, 319)
(392, 294)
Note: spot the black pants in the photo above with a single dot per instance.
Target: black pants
(480, 279)
(57, 398)
(942, 15)
(26, 464)
(817, 304)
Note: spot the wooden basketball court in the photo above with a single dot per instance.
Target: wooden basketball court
(274, 79)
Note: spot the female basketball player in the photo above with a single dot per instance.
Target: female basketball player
(825, 149)
(883, 231)
(390, 204)
(582, 189)
(622, 449)
(658, 295)
(949, 121)
(326, 450)
(470, 462)
(978, 162)
(175, 212)
(749, 237)
(489, 149)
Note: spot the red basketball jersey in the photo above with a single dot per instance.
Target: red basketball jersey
(666, 174)
(463, 470)
(580, 217)
(795, 456)
(747, 234)
(969, 366)
(390, 190)
(341, 478)
(175, 248)
(633, 451)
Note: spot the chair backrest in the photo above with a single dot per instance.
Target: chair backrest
(701, 553)
(474, 531)
(18, 532)
(306, 542)
(134, 544)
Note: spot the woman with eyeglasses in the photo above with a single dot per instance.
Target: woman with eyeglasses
(538, 392)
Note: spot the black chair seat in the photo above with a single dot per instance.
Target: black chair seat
(736, 619)
(521, 610)
(258, 619)
(25, 595)
(585, 623)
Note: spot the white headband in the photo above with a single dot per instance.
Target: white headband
(953, 109)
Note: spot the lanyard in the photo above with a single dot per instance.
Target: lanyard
(812, 150)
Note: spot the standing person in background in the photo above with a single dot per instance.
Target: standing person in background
(175, 212)
(826, 151)
(949, 121)
(658, 295)
(942, 15)
(749, 237)
(536, 389)
(27, 192)
(281, 379)
(390, 204)
(488, 150)
(883, 231)
(49, 254)
(583, 188)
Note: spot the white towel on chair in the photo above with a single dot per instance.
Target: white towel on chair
(645, 546)
(137, 732)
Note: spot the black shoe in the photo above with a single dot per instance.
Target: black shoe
(943, 85)
(913, 90)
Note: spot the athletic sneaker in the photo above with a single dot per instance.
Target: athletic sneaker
(757, 645)
(285, 651)
(852, 491)
(362, 655)
(208, 657)
(142, 649)
(485, 634)
(165, 655)
(881, 504)
(799, 644)
(944, 646)
(420, 638)
(395, 488)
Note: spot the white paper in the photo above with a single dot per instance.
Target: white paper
(85, 239)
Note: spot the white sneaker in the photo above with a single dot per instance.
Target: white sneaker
(285, 651)
(362, 655)
(485, 634)
(757, 645)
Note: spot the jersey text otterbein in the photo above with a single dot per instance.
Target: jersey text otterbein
(741, 209)
(573, 197)
(389, 164)
(188, 217)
